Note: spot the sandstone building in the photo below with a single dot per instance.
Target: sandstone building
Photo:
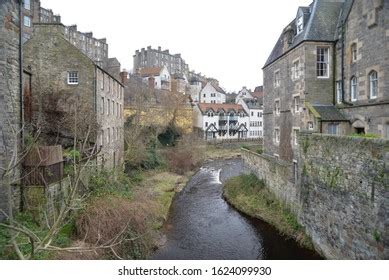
(148, 58)
(74, 85)
(10, 109)
(327, 42)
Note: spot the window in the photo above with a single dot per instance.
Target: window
(300, 24)
(354, 53)
(27, 21)
(296, 101)
(354, 88)
(102, 138)
(277, 107)
(339, 92)
(277, 135)
(206, 124)
(333, 128)
(252, 114)
(295, 134)
(27, 4)
(108, 135)
(102, 80)
(373, 81)
(296, 70)
(258, 114)
(102, 106)
(108, 107)
(310, 125)
(322, 62)
(113, 108)
(295, 170)
(73, 78)
(277, 79)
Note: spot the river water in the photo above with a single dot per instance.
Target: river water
(203, 226)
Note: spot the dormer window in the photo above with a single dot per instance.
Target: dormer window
(300, 24)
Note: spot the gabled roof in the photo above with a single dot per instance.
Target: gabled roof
(326, 113)
(205, 107)
(150, 71)
(320, 22)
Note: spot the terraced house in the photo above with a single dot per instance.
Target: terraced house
(220, 121)
(326, 74)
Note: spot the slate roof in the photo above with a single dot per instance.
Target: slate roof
(253, 103)
(320, 24)
(329, 113)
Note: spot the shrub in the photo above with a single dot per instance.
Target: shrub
(366, 135)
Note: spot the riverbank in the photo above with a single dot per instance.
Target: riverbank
(249, 195)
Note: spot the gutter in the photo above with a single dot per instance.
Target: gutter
(342, 65)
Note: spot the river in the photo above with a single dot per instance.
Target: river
(203, 226)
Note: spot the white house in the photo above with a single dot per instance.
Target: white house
(212, 94)
(254, 108)
(243, 93)
(156, 77)
(194, 89)
(221, 121)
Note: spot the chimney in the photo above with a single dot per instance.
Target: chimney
(159, 49)
(149, 48)
(124, 77)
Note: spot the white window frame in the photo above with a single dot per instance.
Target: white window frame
(310, 125)
(277, 109)
(296, 70)
(277, 135)
(73, 78)
(354, 52)
(102, 105)
(27, 21)
(323, 62)
(300, 24)
(296, 105)
(339, 92)
(354, 88)
(27, 4)
(333, 125)
(295, 131)
(373, 84)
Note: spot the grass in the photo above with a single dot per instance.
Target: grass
(249, 195)
(214, 152)
(366, 135)
(63, 239)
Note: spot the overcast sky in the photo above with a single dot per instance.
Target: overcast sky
(229, 40)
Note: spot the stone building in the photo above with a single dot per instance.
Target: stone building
(362, 56)
(73, 84)
(10, 108)
(159, 58)
(299, 71)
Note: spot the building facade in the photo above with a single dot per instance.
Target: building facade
(300, 70)
(10, 109)
(362, 84)
(156, 77)
(78, 90)
(147, 58)
(220, 121)
(243, 93)
(254, 108)
(212, 93)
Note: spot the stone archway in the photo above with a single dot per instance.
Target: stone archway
(359, 126)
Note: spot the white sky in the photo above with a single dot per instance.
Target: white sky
(229, 40)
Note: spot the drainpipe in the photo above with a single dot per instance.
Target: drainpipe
(342, 64)
(21, 97)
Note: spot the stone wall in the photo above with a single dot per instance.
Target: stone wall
(9, 88)
(341, 194)
(276, 174)
(344, 195)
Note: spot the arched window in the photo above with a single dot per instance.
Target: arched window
(373, 81)
(354, 88)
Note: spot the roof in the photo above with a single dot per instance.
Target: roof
(327, 113)
(150, 71)
(257, 95)
(258, 89)
(253, 103)
(320, 24)
(204, 107)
